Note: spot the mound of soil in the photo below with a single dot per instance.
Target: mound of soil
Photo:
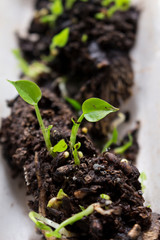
(98, 173)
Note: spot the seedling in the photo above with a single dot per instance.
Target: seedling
(34, 69)
(113, 139)
(31, 93)
(57, 201)
(143, 178)
(43, 224)
(105, 196)
(56, 9)
(93, 110)
(60, 40)
(124, 148)
(112, 7)
(84, 38)
(75, 104)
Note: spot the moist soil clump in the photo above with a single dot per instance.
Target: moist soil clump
(97, 174)
(98, 67)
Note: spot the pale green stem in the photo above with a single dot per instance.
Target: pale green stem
(75, 130)
(74, 218)
(44, 131)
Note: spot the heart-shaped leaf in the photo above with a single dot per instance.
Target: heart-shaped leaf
(28, 90)
(94, 109)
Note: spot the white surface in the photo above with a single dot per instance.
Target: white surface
(145, 106)
(14, 221)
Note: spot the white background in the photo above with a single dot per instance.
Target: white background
(144, 105)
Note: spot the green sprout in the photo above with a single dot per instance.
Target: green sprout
(32, 70)
(143, 178)
(124, 148)
(78, 216)
(69, 4)
(93, 110)
(112, 7)
(113, 139)
(60, 40)
(84, 38)
(75, 104)
(43, 224)
(105, 196)
(55, 202)
(31, 93)
(56, 9)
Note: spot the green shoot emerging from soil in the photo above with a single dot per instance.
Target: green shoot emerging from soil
(93, 110)
(31, 94)
(75, 104)
(33, 70)
(56, 9)
(55, 202)
(60, 40)
(142, 179)
(105, 196)
(43, 224)
(113, 139)
(112, 7)
(122, 149)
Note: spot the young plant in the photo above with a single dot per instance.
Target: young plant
(55, 202)
(56, 9)
(32, 70)
(143, 178)
(113, 139)
(75, 104)
(31, 93)
(60, 40)
(124, 148)
(112, 7)
(43, 224)
(93, 110)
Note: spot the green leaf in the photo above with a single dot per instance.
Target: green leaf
(105, 196)
(57, 7)
(100, 16)
(61, 146)
(69, 4)
(112, 140)
(122, 149)
(75, 104)
(22, 62)
(84, 38)
(75, 153)
(61, 39)
(29, 91)
(94, 109)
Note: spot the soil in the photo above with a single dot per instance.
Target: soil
(98, 173)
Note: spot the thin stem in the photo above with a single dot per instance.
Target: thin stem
(74, 219)
(44, 130)
(75, 130)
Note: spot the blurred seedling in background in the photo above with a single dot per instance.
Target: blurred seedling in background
(31, 93)
(93, 110)
(142, 179)
(32, 70)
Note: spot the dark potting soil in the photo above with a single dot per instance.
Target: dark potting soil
(98, 173)
(99, 67)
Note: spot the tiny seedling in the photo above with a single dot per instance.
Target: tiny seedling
(112, 7)
(56, 9)
(143, 178)
(113, 139)
(124, 148)
(34, 69)
(84, 38)
(31, 93)
(43, 224)
(75, 104)
(55, 202)
(60, 40)
(69, 4)
(93, 110)
(105, 196)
